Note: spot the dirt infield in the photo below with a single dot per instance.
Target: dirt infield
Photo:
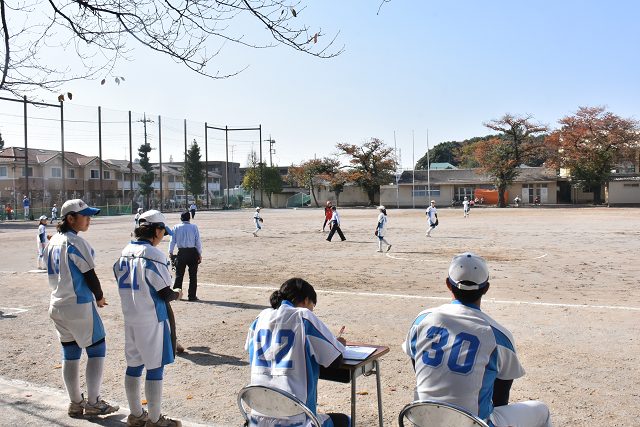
(564, 281)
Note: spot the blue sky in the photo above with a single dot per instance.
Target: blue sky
(442, 66)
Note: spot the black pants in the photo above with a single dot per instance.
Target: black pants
(187, 257)
(339, 420)
(193, 213)
(335, 228)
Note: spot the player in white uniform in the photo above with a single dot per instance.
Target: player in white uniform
(144, 284)
(75, 298)
(432, 215)
(41, 241)
(381, 229)
(465, 205)
(257, 220)
(286, 345)
(464, 357)
(54, 214)
(137, 217)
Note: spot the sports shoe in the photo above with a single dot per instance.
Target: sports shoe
(179, 348)
(164, 422)
(379, 250)
(76, 409)
(99, 408)
(133, 421)
(388, 248)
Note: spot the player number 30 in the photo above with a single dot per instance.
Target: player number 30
(439, 338)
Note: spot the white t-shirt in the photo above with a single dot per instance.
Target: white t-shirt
(286, 348)
(141, 272)
(68, 257)
(466, 205)
(382, 224)
(431, 213)
(42, 230)
(459, 352)
(256, 215)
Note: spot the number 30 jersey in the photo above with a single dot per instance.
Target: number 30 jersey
(459, 352)
(286, 347)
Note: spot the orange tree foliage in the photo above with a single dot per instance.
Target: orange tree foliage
(590, 143)
(372, 165)
(500, 158)
(308, 174)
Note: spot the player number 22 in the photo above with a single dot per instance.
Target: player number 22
(264, 337)
(439, 338)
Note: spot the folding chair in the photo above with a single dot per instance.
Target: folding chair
(271, 402)
(433, 413)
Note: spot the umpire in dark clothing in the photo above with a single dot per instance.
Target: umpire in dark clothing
(335, 225)
(187, 237)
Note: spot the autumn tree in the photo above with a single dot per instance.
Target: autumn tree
(443, 152)
(272, 181)
(193, 172)
(306, 174)
(590, 143)
(102, 32)
(145, 185)
(501, 157)
(372, 164)
(336, 183)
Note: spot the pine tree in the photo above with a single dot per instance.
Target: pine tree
(192, 171)
(145, 186)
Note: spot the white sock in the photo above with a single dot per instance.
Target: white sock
(95, 369)
(379, 245)
(153, 392)
(134, 394)
(71, 377)
(385, 242)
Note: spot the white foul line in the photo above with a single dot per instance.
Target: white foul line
(13, 310)
(613, 307)
(544, 254)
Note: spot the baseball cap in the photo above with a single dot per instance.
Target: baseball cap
(433, 201)
(328, 202)
(258, 208)
(155, 217)
(381, 207)
(42, 217)
(140, 209)
(185, 216)
(77, 206)
(468, 267)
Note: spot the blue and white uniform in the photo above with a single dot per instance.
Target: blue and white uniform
(141, 272)
(137, 218)
(73, 306)
(54, 214)
(256, 219)
(432, 214)
(459, 352)
(286, 348)
(465, 205)
(41, 241)
(382, 230)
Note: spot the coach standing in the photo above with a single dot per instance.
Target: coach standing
(187, 237)
(335, 225)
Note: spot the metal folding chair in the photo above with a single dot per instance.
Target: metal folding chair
(271, 402)
(433, 413)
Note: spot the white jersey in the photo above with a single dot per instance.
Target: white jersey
(465, 204)
(335, 218)
(286, 348)
(137, 219)
(256, 215)
(431, 213)
(54, 212)
(68, 256)
(141, 272)
(459, 352)
(382, 224)
(42, 231)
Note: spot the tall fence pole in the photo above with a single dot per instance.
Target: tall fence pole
(184, 172)
(130, 163)
(160, 158)
(100, 153)
(64, 176)
(226, 163)
(206, 163)
(26, 154)
(261, 181)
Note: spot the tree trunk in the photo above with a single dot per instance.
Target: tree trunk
(596, 195)
(269, 197)
(314, 196)
(502, 187)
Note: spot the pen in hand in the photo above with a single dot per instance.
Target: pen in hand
(341, 331)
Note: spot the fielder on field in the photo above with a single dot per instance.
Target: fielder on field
(464, 357)
(432, 215)
(381, 228)
(75, 298)
(465, 206)
(144, 284)
(257, 220)
(294, 367)
(42, 241)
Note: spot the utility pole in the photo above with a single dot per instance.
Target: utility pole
(145, 121)
(271, 150)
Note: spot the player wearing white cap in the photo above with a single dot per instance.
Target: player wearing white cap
(75, 298)
(257, 220)
(432, 216)
(137, 217)
(464, 357)
(287, 344)
(381, 228)
(144, 284)
(54, 214)
(465, 205)
(41, 241)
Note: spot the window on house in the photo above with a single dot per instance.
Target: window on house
(118, 176)
(626, 185)
(4, 172)
(95, 173)
(56, 172)
(30, 171)
(420, 191)
(588, 190)
(107, 174)
(71, 173)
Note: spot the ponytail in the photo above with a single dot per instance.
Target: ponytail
(295, 291)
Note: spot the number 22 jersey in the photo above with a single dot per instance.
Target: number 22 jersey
(459, 352)
(286, 347)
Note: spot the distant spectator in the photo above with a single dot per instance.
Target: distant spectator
(25, 202)
(9, 212)
(482, 201)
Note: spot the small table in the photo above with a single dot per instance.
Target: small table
(352, 369)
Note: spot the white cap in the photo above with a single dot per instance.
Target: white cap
(55, 204)
(468, 267)
(77, 206)
(140, 209)
(381, 207)
(465, 197)
(154, 217)
(258, 208)
(433, 201)
(42, 217)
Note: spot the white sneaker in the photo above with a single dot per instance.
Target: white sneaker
(99, 408)
(77, 409)
(379, 250)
